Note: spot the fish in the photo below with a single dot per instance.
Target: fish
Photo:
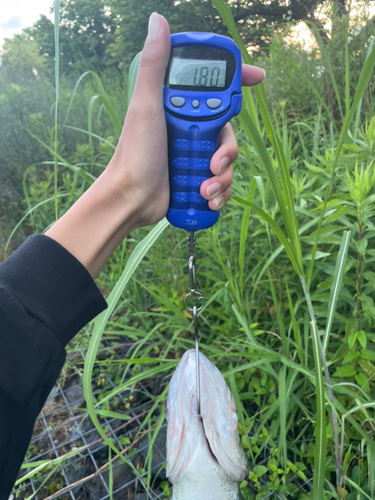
(205, 458)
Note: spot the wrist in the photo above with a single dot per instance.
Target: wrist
(98, 222)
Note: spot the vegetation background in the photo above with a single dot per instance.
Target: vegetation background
(288, 270)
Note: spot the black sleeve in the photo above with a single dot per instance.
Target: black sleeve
(46, 297)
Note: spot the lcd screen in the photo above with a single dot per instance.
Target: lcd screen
(197, 72)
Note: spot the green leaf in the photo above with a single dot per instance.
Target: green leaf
(318, 255)
(135, 259)
(371, 468)
(283, 239)
(336, 284)
(362, 339)
(368, 354)
(360, 89)
(345, 371)
(363, 381)
(260, 470)
(351, 339)
(320, 453)
(361, 246)
(351, 326)
(113, 414)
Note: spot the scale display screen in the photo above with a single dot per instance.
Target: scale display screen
(197, 72)
(199, 68)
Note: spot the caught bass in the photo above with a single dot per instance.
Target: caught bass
(205, 459)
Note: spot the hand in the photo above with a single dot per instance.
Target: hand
(140, 163)
(133, 190)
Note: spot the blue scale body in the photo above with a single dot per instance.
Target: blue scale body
(193, 131)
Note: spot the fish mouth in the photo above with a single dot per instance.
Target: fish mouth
(214, 433)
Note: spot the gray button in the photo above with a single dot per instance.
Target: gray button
(195, 103)
(213, 103)
(178, 101)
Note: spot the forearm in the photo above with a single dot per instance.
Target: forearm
(97, 223)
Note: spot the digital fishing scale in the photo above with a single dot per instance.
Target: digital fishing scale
(202, 92)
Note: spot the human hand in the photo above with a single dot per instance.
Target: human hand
(140, 163)
(133, 190)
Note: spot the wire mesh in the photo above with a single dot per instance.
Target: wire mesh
(79, 470)
(64, 435)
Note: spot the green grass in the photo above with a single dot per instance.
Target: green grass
(287, 272)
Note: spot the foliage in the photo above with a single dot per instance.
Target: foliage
(102, 34)
(86, 30)
(303, 204)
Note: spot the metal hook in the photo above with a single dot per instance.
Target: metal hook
(198, 385)
(193, 283)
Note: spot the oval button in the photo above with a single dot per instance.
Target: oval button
(195, 103)
(178, 101)
(213, 103)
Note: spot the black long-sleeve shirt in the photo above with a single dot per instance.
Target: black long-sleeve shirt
(46, 297)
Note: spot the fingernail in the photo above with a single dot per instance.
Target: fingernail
(264, 76)
(213, 189)
(223, 164)
(219, 202)
(153, 26)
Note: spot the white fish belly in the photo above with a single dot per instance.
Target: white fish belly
(205, 459)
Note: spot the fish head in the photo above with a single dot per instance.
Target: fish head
(209, 443)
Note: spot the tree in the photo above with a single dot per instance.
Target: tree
(256, 20)
(97, 34)
(21, 59)
(86, 30)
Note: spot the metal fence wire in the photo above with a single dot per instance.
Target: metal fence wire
(78, 458)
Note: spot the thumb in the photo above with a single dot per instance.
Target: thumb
(154, 59)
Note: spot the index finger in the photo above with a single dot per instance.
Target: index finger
(252, 75)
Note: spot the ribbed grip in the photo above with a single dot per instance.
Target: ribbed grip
(190, 152)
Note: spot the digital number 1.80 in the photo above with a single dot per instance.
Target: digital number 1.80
(203, 77)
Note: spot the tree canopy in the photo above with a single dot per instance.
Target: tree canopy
(97, 34)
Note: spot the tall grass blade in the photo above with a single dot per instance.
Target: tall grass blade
(359, 109)
(371, 468)
(307, 80)
(89, 119)
(133, 73)
(30, 211)
(89, 178)
(328, 64)
(244, 231)
(282, 413)
(261, 149)
(289, 216)
(320, 429)
(347, 69)
(103, 97)
(336, 285)
(360, 89)
(280, 322)
(110, 474)
(101, 139)
(295, 326)
(358, 488)
(100, 323)
(283, 239)
(57, 67)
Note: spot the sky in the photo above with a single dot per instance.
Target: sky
(18, 14)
